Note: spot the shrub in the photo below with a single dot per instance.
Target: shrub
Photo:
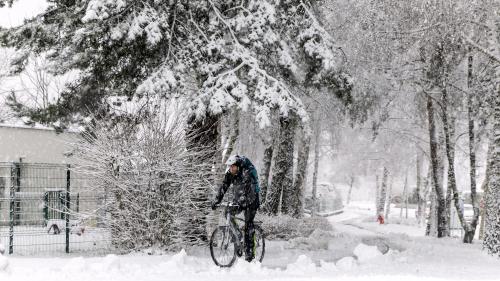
(157, 190)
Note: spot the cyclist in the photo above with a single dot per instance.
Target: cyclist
(242, 174)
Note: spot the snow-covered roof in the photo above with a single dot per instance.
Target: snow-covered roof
(19, 124)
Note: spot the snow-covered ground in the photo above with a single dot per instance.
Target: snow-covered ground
(357, 249)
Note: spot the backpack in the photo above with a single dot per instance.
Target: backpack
(246, 164)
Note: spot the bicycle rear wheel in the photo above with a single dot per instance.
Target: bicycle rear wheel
(259, 244)
(222, 247)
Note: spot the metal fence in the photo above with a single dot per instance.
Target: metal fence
(46, 208)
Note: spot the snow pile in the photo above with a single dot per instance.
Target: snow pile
(303, 265)
(245, 269)
(365, 253)
(178, 260)
(346, 264)
(327, 266)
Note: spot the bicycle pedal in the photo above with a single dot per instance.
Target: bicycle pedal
(239, 253)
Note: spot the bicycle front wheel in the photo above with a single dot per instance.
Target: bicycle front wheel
(222, 247)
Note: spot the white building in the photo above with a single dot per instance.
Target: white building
(35, 144)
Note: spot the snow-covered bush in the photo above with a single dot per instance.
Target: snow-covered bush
(286, 227)
(154, 186)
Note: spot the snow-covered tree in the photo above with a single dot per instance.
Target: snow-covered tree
(383, 193)
(216, 55)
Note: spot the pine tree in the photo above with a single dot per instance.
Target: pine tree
(217, 54)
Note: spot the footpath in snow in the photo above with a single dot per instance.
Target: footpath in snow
(357, 249)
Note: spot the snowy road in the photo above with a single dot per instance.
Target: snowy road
(321, 257)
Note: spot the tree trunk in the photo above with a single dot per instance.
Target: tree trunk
(282, 170)
(484, 187)
(405, 196)
(317, 138)
(492, 225)
(418, 184)
(469, 234)
(449, 132)
(449, 199)
(377, 195)
(388, 201)
(266, 169)
(351, 184)
(289, 194)
(431, 229)
(297, 196)
(269, 144)
(383, 193)
(425, 196)
(441, 202)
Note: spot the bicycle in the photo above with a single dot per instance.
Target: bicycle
(226, 242)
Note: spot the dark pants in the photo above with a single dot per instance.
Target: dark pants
(249, 228)
(249, 232)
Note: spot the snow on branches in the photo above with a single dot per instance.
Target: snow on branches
(218, 54)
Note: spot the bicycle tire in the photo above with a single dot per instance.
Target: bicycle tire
(224, 231)
(260, 239)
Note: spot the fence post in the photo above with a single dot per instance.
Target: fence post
(17, 203)
(68, 205)
(11, 210)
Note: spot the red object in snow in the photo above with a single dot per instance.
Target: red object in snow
(380, 219)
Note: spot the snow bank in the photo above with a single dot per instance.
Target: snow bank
(346, 264)
(178, 260)
(302, 265)
(365, 253)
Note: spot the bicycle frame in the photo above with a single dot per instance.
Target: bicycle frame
(232, 225)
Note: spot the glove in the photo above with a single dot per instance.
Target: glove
(214, 205)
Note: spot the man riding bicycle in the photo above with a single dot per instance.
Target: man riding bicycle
(242, 174)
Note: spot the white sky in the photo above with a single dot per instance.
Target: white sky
(10, 17)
